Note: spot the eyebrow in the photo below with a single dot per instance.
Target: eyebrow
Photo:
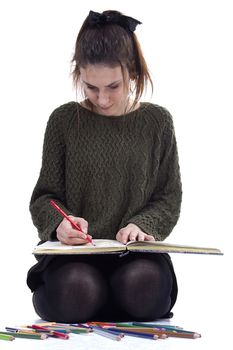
(110, 85)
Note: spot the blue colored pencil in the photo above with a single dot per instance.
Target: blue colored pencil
(112, 330)
(107, 333)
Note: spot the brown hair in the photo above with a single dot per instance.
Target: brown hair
(111, 44)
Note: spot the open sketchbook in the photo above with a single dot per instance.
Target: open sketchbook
(113, 246)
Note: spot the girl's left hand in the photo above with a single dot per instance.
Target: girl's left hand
(132, 233)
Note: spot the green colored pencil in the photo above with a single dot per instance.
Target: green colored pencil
(4, 336)
(80, 330)
(25, 335)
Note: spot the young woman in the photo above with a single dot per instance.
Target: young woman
(111, 163)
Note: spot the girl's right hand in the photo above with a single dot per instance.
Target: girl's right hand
(68, 235)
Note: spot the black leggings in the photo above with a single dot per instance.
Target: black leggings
(106, 287)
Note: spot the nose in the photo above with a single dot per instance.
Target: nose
(103, 99)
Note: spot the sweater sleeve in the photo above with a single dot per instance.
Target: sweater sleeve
(161, 214)
(50, 184)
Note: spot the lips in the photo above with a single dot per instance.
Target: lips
(105, 108)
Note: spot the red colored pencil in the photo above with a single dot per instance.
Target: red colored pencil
(54, 333)
(75, 226)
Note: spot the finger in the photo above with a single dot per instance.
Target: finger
(65, 232)
(73, 241)
(73, 233)
(123, 235)
(149, 238)
(141, 236)
(133, 235)
(82, 223)
(88, 237)
(66, 226)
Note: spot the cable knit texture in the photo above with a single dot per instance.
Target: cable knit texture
(109, 170)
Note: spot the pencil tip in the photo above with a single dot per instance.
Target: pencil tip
(196, 335)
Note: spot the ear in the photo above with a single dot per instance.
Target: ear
(131, 87)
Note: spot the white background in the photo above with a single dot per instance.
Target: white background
(188, 48)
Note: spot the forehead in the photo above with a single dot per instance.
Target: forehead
(101, 74)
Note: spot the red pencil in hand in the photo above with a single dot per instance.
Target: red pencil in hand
(74, 225)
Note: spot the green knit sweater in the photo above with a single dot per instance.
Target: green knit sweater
(109, 170)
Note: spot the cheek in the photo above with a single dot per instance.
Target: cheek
(90, 94)
(120, 95)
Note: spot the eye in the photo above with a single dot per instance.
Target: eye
(113, 87)
(90, 87)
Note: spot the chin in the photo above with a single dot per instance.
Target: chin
(106, 111)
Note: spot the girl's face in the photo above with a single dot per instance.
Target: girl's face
(106, 88)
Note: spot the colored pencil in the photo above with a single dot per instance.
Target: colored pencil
(190, 335)
(136, 334)
(113, 331)
(83, 326)
(161, 334)
(157, 325)
(26, 335)
(50, 332)
(65, 327)
(172, 331)
(75, 226)
(23, 330)
(108, 334)
(159, 329)
(4, 336)
(109, 324)
(56, 329)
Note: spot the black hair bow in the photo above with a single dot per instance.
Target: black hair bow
(114, 17)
